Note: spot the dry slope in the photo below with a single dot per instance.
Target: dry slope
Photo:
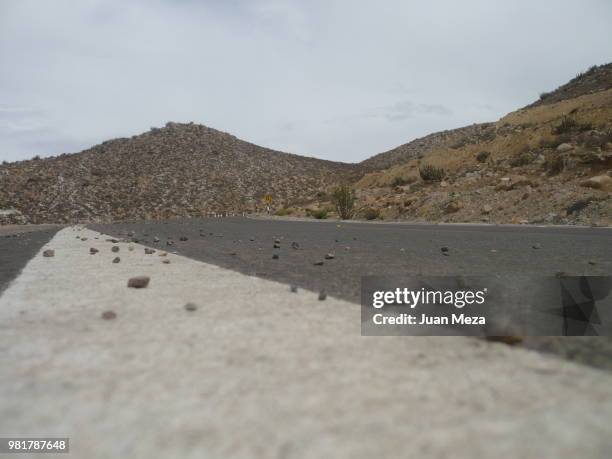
(178, 170)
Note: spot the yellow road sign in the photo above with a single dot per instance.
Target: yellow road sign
(268, 198)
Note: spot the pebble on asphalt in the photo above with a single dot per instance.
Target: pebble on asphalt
(49, 253)
(295, 245)
(536, 246)
(138, 282)
(329, 256)
(276, 245)
(116, 260)
(444, 249)
(93, 251)
(322, 295)
(155, 239)
(191, 307)
(275, 256)
(318, 263)
(109, 315)
(183, 239)
(149, 251)
(115, 248)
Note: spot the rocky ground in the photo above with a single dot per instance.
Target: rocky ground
(175, 171)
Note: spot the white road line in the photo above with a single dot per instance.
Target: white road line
(258, 371)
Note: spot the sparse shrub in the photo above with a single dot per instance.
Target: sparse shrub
(371, 213)
(343, 198)
(483, 156)
(459, 143)
(569, 124)
(521, 160)
(36, 158)
(319, 214)
(545, 95)
(401, 181)
(431, 173)
(554, 164)
(282, 212)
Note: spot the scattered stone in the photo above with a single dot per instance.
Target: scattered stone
(444, 249)
(138, 282)
(251, 239)
(536, 246)
(295, 245)
(294, 289)
(156, 239)
(599, 182)
(330, 256)
(115, 248)
(114, 241)
(565, 147)
(93, 251)
(322, 295)
(592, 262)
(50, 253)
(183, 239)
(169, 242)
(130, 233)
(318, 263)
(166, 261)
(83, 239)
(452, 207)
(163, 254)
(275, 256)
(191, 307)
(276, 246)
(109, 315)
(149, 251)
(487, 209)
(277, 241)
(116, 260)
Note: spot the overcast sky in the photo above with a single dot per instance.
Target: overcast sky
(335, 79)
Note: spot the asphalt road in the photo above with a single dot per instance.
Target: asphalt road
(247, 245)
(17, 245)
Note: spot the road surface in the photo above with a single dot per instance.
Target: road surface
(259, 371)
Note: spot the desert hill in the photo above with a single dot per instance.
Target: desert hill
(177, 170)
(550, 162)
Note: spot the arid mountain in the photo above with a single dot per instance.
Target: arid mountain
(178, 170)
(550, 162)
(420, 147)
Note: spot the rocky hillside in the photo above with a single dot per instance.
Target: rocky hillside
(549, 163)
(420, 147)
(178, 170)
